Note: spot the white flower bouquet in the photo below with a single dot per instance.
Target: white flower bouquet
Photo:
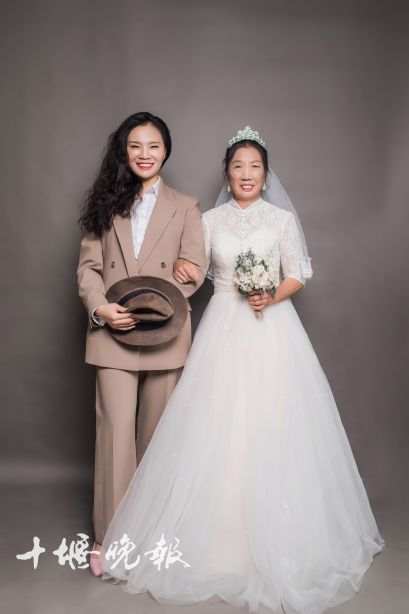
(253, 274)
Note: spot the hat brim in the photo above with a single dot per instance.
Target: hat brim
(145, 335)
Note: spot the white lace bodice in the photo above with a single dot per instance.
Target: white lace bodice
(262, 227)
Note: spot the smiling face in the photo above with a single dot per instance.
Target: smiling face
(246, 175)
(146, 152)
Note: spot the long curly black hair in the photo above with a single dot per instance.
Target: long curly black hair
(116, 186)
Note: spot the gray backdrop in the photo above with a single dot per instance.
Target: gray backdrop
(327, 85)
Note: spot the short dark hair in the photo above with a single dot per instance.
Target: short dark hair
(230, 151)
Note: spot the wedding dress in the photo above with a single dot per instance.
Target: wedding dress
(248, 491)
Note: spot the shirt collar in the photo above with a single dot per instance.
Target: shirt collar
(154, 189)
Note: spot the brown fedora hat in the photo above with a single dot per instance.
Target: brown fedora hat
(159, 305)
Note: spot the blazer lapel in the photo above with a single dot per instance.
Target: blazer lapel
(163, 211)
(123, 229)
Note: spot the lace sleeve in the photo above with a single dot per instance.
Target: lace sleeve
(291, 253)
(206, 232)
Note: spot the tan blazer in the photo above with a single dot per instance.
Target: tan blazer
(174, 231)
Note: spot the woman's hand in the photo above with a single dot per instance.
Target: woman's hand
(185, 271)
(289, 286)
(259, 300)
(117, 316)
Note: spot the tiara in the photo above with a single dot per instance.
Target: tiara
(247, 134)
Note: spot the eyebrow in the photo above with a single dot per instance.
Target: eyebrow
(150, 142)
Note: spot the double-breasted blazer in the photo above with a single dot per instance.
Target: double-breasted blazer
(174, 231)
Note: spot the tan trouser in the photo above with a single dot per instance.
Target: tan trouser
(119, 446)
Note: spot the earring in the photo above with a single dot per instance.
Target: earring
(228, 187)
(264, 187)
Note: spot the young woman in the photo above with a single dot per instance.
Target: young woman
(134, 224)
(248, 490)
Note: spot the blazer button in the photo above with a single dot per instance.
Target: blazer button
(163, 265)
(113, 264)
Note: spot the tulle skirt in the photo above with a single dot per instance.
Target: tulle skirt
(248, 491)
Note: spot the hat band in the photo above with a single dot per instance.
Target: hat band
(145, 324)
(134, 293)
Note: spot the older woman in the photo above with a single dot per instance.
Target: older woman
(248, 490)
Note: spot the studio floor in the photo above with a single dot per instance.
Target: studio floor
(58, 509)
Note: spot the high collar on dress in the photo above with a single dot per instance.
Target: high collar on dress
(234, 204)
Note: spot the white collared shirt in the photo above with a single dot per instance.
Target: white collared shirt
(141, 212)
(140, 215)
